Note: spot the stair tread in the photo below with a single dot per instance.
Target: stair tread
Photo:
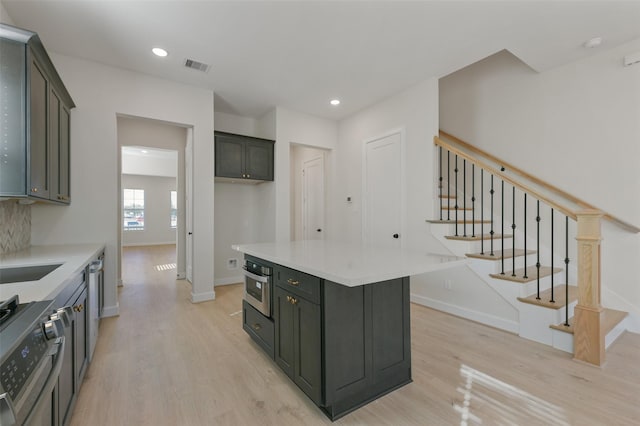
(499, 254)
(532, 274)
(475, 237)
(452, 222)
(610, 319)
(559, 296)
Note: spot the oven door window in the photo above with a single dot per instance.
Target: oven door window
(254, 288)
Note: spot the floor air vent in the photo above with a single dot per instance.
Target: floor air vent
(199, 66)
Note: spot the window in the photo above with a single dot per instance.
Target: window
(133, 209)
(174, 209)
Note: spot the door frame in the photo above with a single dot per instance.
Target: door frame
(304, 193)
(403, 187)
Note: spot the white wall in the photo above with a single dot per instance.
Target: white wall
(416, 111)
(101, 93)
(237, 209)
(157, 210)
(576, 127)
(149, 165)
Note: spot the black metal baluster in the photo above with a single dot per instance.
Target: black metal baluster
(491, 232)
(525, 237)
(464, 197)
(456, 192)
(513, 229)
(552, 289)
(440, 180)
(538, 247)
(502, 228)
(481, 211)
(448, 185)
(566, 271)
(473, 200)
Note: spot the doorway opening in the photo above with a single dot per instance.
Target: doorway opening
(152, 207)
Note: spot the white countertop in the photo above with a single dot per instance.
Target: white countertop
(74, 257)
(349, 264)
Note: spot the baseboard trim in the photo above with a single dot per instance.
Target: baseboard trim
(111, 311)
(228, 280)
(149, 244)
(481, 317)
(202, 297)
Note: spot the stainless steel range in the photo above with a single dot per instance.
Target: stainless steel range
(31, 352)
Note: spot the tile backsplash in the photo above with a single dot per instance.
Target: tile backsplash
(15, 226)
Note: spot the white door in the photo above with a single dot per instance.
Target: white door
(383, 191)
(313, 199)
(188, 201)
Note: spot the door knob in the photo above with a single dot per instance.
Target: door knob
(396, 236)
(319, 230)
(190, 233)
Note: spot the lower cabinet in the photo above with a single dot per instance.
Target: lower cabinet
(342, 346)
(259, 327)
(298, 337)
(76, 349)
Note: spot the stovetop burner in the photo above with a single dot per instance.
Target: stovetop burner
(9, 309)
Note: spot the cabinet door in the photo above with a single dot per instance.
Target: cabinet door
(64, 160)
(229, 157)
(54, 144)
(80, 341)
(307, 348)
(38, 149)
(13, 168)
(66, 377)
(283, 312)
(258, 160)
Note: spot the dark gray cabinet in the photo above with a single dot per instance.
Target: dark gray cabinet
(76, 348)
(36, 135)
(243, 157)
(343, 346)
(298, 349)
(259, 327)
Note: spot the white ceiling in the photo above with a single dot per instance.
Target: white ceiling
(301, 54)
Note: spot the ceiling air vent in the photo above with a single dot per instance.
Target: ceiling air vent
(199, 66)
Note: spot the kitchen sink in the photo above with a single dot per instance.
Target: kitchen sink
(26, 273)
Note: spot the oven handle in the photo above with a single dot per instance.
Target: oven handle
(53, 375)
(260, 278)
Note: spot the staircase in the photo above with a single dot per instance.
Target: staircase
(516, 230)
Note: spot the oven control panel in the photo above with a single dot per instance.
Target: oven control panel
(19, 365)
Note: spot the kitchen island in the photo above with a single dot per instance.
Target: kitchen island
(340, 326)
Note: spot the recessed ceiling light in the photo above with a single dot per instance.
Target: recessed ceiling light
(335, 102)
(144, 151)
(158, 51)
(594, 42)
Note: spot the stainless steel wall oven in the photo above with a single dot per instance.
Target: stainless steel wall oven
(258, 285)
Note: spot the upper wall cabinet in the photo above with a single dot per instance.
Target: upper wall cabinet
(243, 158)
(35, 121)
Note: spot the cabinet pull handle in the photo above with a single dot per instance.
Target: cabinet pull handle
(257, 326)
(78, 308)
(34, 189)
(293, 282)
(294, 300)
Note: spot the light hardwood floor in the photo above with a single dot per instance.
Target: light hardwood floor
(166, 361)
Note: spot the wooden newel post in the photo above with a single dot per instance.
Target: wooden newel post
(589, 333)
